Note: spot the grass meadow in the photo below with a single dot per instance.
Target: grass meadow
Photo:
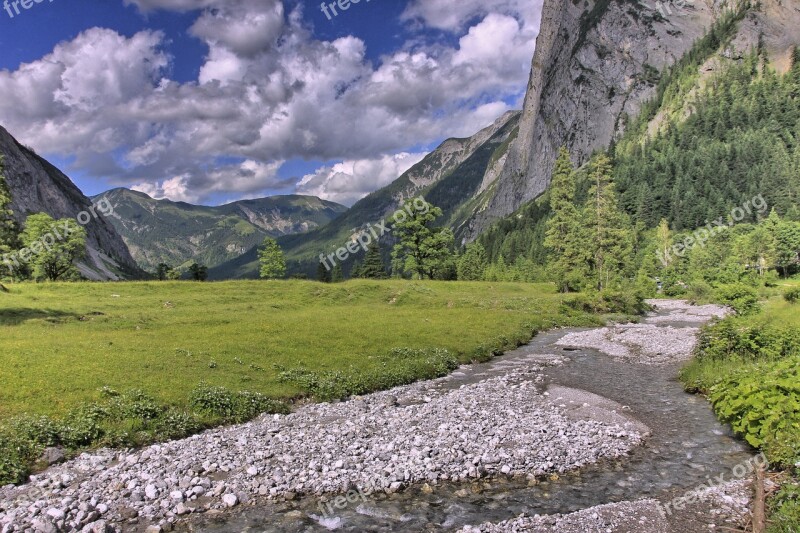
(61, 343)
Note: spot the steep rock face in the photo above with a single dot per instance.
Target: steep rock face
(38, 187)
(598, 61)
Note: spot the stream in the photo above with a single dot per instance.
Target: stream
(687, 445)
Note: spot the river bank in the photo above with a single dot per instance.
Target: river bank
(505, 424)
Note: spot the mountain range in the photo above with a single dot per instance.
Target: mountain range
(597, 66)
(178, 233)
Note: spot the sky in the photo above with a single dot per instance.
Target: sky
(212, 101)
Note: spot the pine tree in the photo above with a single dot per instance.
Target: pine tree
(272, 264)
(472, 265)
(565, 237)
(609, 229)
(422, 250)
(323, 274)
(373, 267)
(338, 274)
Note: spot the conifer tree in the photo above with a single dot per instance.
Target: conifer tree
(323, 274)
(272, 264)
(373, 267)
(338, 274)
(609, 229)
(565, 237)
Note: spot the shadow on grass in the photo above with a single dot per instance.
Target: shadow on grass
(17, 315)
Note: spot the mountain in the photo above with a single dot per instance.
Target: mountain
(597, 63)
(457, 176)
(38, 187)
(177, 233)
(720, 135)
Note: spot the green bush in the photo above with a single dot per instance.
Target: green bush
(608, 301)
(233, 407)
(16, 458)
(742, 298)
(785, 509)
(41, 431)
(792, 295)
(400, 366)
(729, 340)
(762, 404)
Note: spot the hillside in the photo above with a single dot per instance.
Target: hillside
(598, 63)
(176, 233)
(38, 187)
(455, 177)
(722, 128)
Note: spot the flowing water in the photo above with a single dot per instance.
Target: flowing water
(687, 446)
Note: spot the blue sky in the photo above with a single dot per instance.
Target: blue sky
(209, 101)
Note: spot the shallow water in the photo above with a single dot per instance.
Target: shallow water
(687, 446)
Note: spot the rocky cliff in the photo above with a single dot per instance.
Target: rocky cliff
(38, 187)
(596, 63)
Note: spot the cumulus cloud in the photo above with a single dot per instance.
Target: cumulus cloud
(268, 91)
(349, 181)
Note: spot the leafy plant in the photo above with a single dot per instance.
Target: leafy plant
(792, 295)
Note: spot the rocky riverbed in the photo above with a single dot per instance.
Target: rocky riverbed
(506, 424)
(502, 426)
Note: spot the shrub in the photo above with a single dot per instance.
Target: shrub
(215, 401)
(792, 295)
(39, 430)
(742, 298)
(763, 406)
(609, 301)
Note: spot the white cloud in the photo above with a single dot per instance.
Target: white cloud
(267, 92)
(349, 181)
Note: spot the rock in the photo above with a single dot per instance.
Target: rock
(52, 456)
(230, 500)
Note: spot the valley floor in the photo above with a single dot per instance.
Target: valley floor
(511, 419)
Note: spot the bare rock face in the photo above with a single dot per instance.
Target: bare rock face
(38, 187)
(598, 61)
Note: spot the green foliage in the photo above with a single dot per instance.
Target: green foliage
(272, 263)
(566, 236)
(323, 274)
(122, 420)
(8, 230)
(164, 272)
(228, 406)
(471, 265)
(742, 298)
(373, 267)
(337, 276)
(53, 246)
(400, 366)
(422, 250)
(763, 405)
(198, 272)
(628, 302)
(792, 295)
(785, 509)
(608, 237)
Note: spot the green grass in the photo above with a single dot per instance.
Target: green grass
(61, 343)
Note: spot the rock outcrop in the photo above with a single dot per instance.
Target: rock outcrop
(597, 62)
(38, 187)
